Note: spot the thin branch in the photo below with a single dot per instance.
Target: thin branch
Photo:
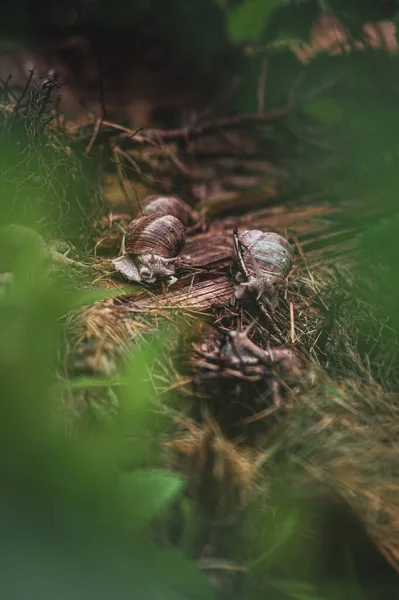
(157, 136)
(262, 85)
(216, 125)
(24, 91)
(93, 137)
(120, 175)
(187, 133)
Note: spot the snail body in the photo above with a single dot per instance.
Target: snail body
(263, 260)
(167, 205)
(150, 248)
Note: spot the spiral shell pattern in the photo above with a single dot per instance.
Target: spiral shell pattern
(166, 205)
(270, 250)
(160, 235)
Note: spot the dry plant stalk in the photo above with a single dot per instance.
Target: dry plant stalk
(221, 475)
(352, 430)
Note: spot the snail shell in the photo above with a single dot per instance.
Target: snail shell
(167, 205)
(150, 248)
(267, 260)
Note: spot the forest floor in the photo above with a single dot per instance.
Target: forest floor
(334, 425)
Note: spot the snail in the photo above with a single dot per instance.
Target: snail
(263, 260)
(167, 205)
(150, 248)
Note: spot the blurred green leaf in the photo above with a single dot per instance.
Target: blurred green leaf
(73, 556)
(325, 110)
(297, 590)
(83, 383)
(293, 19)
(248, 20)
(326, 6)
(149, 491)
(189, 514)
(276, 542)
(83, 298)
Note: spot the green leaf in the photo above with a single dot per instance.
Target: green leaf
(325, 6)
(298, 590)
(286, 531)
(97, 295)
(148, 492)
(293, 19)
(247, 21)
(325, 110)
(137, 394)
(190, 522)
(81, 383)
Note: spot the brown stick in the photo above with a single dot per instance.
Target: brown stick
(155, 136)
(197, 130)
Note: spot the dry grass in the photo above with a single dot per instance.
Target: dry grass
(339, 422)
(339, 425)
(222, 473)
(349, 430)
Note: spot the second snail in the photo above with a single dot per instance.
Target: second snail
(153, 242)
(262, 262)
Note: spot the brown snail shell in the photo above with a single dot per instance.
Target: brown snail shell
(167, 205)
(266, 258)
(150, 248)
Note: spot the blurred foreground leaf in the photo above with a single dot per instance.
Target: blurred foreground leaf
(297, 590)
(71, 505)
(325, 110)
(155, 488)
(248, 20)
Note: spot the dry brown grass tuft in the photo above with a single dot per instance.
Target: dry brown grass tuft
(221, 473)
(346, 436)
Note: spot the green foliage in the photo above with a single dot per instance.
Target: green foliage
(41, 180)
(324, 110)
(379, 267)
(101, 485)
(248, 20)
(297, 590)
(156, 488)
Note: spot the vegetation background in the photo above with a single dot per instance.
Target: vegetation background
(83, 511)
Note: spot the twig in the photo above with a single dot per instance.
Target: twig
(219, 564)
(292, 321)
(238, 249)
(216, 125)
(176, 162)
(22, 96)
(129, 159)
(224, 96)
(198, 130)
(262, 85)
(207, 127)
(93, 137)
(260, 415)
(62, 258)
(120, 174)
